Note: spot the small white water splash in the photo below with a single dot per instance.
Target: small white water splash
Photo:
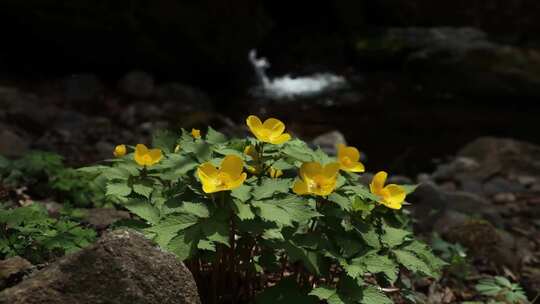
(287, 87)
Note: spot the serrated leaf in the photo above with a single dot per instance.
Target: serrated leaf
(376, 263)
(144, 210)
(285, 292)
(164, 140)
(243, 210)
(342, 201)
(216, 230)
(393, 237)
(242, 193)
(323, 292)
(198, 209)
(201, 150)
(298, 153)
(170, 227)
(413, 263)
(362, 191)
(359, 204)
(409, 188)
(372, 295)
(185, 243)
(298, 208)
(206, 245)
(118, 190)
(271, 186)
(215, 137)
(143, 188)
(176, 166)
(272, 234)
(272, 213)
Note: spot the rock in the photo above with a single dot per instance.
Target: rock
(186, 98)
(400, 180)
(329, 141)
(12, 270)
(459, 61)
(122, 267)
(498, 185)
(429, 202)
(138, 84)
(101, 218)
(12, 144)
(79, 88)
(503, 155)
(504, 197)
(456, 167)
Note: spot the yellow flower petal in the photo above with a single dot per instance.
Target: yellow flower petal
(377, 183)
(351, 152)
(275, 126)
(232, 165)
(331, 170)
(254, 123)
(300, 187)
(310, 169)
(141, 149)
(251, 151)
(207, 170)
(395, 195)
(237, 182)
(155, 155)
(357, 167)
(281, 139)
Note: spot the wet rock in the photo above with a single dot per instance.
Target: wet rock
(138, 84)
(457, 166)
(101, 218)
(122, 267)
(504, 198)
(329, 141)
(12, 270)
(503, 155)
(12, 144)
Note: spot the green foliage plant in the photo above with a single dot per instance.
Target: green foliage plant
(499, 290)
(268, 219)
(30, 232)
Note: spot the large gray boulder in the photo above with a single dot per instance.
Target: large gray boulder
(122, 267)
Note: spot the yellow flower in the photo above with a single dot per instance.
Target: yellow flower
(177, 149)
(146, 157)
(271, 131)
(392, 196)
(316, 179)
(119, 151)
(252, 152)
(196, 133)
(274, 173)
(349, 159)
(229, 176)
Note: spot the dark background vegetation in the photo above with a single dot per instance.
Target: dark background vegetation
(413, 98)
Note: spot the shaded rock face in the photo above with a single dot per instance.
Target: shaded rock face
(122, 267)
(461, 61)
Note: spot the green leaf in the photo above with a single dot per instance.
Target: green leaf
(164, 140)
(206, 245)
(243, 193)
(118, 190)
(176, 166)
(362, 191)
(298, 208)
(144, 210)
(273, 234)
(243, 210)
(201, 150)
(323, 292)
(299, 153)
(425, 253)
(185, 243)
(359, 204)
(393, 237)
(273, 213)
(271, 186)
(216, 230)
(376, 263)
(197, 209)
(372, 295)
(413, 263)
(168, 228)
(215, 137)
(342, 201)
(144, 188)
